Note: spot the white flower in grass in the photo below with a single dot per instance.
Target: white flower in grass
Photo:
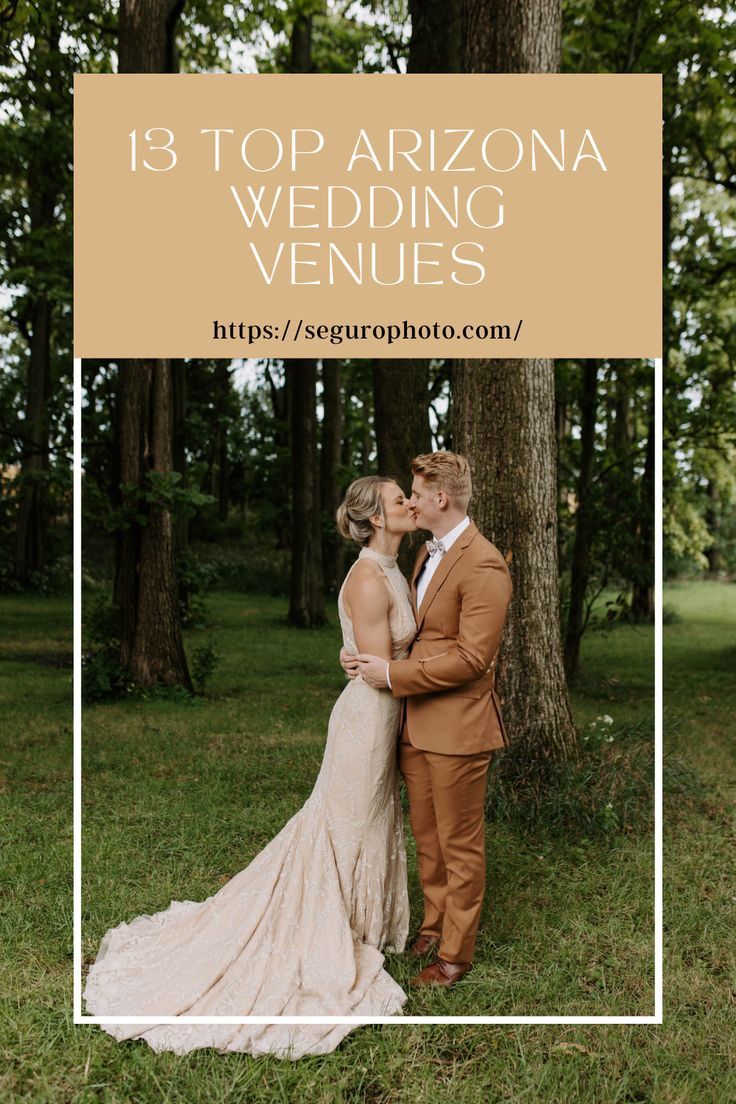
(606, 719)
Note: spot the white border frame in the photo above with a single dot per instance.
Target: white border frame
(79, 1018)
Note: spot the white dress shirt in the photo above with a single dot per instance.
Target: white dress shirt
(431, 564)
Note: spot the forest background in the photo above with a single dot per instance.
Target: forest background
(250, 462)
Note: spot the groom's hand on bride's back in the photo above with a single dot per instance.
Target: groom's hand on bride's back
(349, 663)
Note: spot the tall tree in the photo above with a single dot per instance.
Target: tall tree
(504, 420)
(642, 598)
(504, 424)
(31, 524)
(580, 567)
(147, 36)
(307, 603)
(179, 464)
(44, 184)
(435, 42)
(504, 36)
(330, 455)
(219, 473)
(401, 388)
(146, 587)
(401, 400)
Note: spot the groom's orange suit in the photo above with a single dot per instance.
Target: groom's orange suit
(451, 724)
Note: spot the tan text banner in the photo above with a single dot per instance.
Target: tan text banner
(367, 216)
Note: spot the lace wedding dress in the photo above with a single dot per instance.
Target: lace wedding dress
(300, 930)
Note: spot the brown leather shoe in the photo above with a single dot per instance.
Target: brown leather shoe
(423, 944)
(441, 973)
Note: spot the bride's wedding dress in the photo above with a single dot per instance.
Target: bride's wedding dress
(300, 930)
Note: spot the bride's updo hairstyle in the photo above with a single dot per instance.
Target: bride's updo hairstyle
(362, 502)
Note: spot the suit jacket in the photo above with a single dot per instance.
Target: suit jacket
(448, 680)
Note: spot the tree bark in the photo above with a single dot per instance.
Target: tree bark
(714, 554)
(642, 598)
(301, 44)
(504, 424)
(621, 429)
(307, 605)
(147, 36)
(332, 546)
(505, 36)
(401, 400)
(220, 465)
(179, 464)
(580, 567)
(45, 182)
(146, 588)
(30, 549)
(504, 420)
(435, 41)
(280, 400)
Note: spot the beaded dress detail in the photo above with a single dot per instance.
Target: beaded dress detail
(300, 930)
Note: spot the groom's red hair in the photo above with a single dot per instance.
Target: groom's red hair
(449, 472)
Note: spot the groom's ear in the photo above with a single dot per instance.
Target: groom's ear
(442, 499)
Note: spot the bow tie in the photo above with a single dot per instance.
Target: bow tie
(435, 546)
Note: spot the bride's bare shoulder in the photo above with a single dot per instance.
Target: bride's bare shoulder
(365, 587)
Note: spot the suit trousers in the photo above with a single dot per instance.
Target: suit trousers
(446, 810)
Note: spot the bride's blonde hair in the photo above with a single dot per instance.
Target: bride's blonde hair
(362, 502)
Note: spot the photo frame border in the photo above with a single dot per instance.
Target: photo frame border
(79, 1018)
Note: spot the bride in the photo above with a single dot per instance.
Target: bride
(300, 930)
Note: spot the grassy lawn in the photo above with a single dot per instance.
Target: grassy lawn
(179, 797)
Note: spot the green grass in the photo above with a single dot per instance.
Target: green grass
(177, 798)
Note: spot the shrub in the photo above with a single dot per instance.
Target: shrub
(204, 660)
(609, 789)
(102, 674)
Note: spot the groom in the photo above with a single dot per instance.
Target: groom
(451, 720)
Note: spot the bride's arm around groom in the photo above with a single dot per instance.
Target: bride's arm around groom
(450, 673)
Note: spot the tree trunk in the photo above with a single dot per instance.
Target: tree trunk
(621, 429)
(642, 598)
(714, 555)
(505, 36)
(332, 545)
(580, 568)
(220, 466)
(45, 182)
(504, 424)
(668, 179)
(504, 420)
(401, 401)
(30, 549)
(435, 41)
(280, 400)
(301, 44)
(307, 605)
(147, 36)
(146, 589)
(179, 464)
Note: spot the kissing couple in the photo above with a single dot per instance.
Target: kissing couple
(300, 931)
